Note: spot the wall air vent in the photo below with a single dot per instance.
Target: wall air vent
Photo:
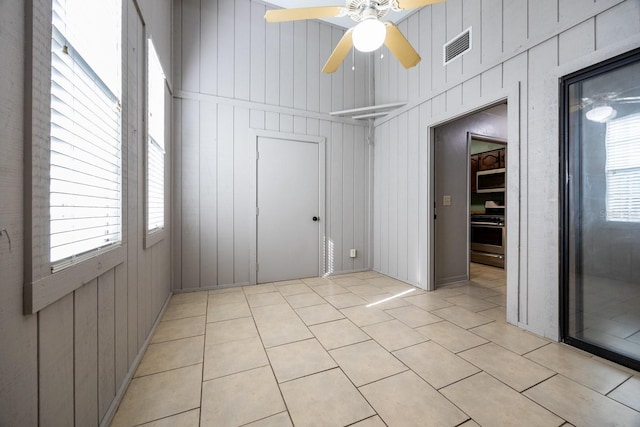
(458, 46)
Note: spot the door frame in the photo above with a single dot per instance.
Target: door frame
(254, 136)
(516, 253)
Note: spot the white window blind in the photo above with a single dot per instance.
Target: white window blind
(155, 141)
(623, 169)
(85, 165)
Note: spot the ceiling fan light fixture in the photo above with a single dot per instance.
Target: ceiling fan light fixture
(601, 113)
(369, 34)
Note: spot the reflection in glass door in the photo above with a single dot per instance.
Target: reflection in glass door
(601, 209)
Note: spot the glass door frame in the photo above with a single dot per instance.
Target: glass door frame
(566, 257)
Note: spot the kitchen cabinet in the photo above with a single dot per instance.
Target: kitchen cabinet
(489, 160)
(473, 169)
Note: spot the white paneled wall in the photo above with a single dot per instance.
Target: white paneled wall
(234, 72)
(520, 49)
(65, 364)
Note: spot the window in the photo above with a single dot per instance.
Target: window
(623, 169)
(85, 152)
(155, 141)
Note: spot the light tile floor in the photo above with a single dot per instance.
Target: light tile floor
(321, 352)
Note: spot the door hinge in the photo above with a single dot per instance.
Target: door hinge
(257, 155)
(257, 211)
(257, 267)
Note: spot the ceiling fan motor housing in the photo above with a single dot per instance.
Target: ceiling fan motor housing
(360, 10)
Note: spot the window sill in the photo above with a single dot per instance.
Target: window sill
(49, 289)
(154, 237)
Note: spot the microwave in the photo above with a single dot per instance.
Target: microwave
(491, 181)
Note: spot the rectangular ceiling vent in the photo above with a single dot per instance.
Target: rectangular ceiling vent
(458, 46)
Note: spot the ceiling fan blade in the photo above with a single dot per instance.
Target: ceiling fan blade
(412, 4)
(297, 14)
(400, 46)
(339, 53)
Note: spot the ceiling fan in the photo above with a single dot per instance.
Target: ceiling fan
(368, 35)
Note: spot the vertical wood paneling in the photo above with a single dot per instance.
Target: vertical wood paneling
(360, 187)
(490, 31)
(326, 46)
(176, 229)
(258, 53)
(617, 23)
(424, 190)
(18, 333)
(438, 39)
(313, 66)
(132, 157)
(283, 63)
(86, 354)
(300, 65)
(272, 121)
(257, 119)
(226, 44)
(190, 195)
(106, 341)
(121, 310)
(272, 68)
(244, 159)
(491, 81)
(577, 41)
(337, 83)
(299, 125)
(453, 99)
(176, 44)
(541, 57)
(55, 363)
(225, 195)
(471, 91)
(413, 77)
(286, 64)
(349, 78)
(190, 46)
(208, 201)
(543, 17)
(286, 123)
(348, 171)
(382, 181)
(242, 51)
(426, 51)
(514, 21)
(402, 208)
(413, 195)
(392, 207)
(392, 83)
(335, 194)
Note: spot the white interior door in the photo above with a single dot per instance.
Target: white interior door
(288, 209)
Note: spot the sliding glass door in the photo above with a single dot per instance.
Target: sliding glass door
(601, 209)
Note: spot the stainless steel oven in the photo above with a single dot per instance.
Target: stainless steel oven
(487, 238)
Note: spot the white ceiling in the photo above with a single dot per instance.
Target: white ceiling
(344, 22)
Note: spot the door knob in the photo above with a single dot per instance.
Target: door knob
(315, 218)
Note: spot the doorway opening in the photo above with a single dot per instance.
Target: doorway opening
(470, 175)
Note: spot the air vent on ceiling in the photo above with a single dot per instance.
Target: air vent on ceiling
(458, 46)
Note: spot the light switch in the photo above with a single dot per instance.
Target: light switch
(446, 201)
(352, 253)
